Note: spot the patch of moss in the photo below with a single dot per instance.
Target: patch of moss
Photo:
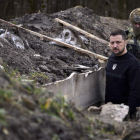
(55, 137)
(11, 72)
(57, 106)
(5, 96)
(14, 22)
(2, 117)
(104, 130)
(39, 77)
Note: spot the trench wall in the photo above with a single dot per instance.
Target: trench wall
(83, 89)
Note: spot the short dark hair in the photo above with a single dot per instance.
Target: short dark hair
(118, 32)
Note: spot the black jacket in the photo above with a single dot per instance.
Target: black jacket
(123, 81)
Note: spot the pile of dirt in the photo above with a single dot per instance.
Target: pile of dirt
(20, 49)
(28, 112)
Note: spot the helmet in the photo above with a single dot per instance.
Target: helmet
(135, 16)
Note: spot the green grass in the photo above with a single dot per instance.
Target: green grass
(2, 117)
(57, 106)
(38, 75)
(5, 96)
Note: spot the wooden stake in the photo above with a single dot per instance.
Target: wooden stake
(58, 42)
(81, 31)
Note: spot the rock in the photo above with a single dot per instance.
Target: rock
(38, 57)
(116, 111)
(94, 110)
(1, 67)
(14, 39)
(44, 68)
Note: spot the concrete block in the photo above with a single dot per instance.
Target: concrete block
(83, 89)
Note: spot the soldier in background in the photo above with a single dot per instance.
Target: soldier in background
(133, 33)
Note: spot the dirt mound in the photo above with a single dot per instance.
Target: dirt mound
(28, 113)
(21, 50)
(40, 115)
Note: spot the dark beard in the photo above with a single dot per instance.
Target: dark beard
(120, 52)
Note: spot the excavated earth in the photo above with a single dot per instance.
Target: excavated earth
(56, 61)
(28, 111)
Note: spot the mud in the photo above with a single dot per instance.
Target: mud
(55, 57)
(41, 115)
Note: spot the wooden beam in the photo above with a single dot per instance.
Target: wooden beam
(58, 42)
(81, 31)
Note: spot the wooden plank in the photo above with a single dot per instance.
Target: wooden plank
(81, 31)
(58, 42)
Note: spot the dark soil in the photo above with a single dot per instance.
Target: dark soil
(31, 113)
(55, 57)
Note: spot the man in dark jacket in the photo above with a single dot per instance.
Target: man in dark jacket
(122, 74)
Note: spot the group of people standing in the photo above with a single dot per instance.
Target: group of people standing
(123, 67)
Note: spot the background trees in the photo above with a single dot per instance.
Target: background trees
(113, 8)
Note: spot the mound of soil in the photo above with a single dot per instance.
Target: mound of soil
(20, 49)
(30, 113)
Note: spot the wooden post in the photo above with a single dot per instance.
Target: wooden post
(81, 31)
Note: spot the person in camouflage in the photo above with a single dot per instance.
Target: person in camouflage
(133, 33)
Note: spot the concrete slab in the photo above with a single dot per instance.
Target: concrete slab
(83, 89)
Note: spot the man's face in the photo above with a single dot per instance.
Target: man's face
(136, 28)
(118, 45)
